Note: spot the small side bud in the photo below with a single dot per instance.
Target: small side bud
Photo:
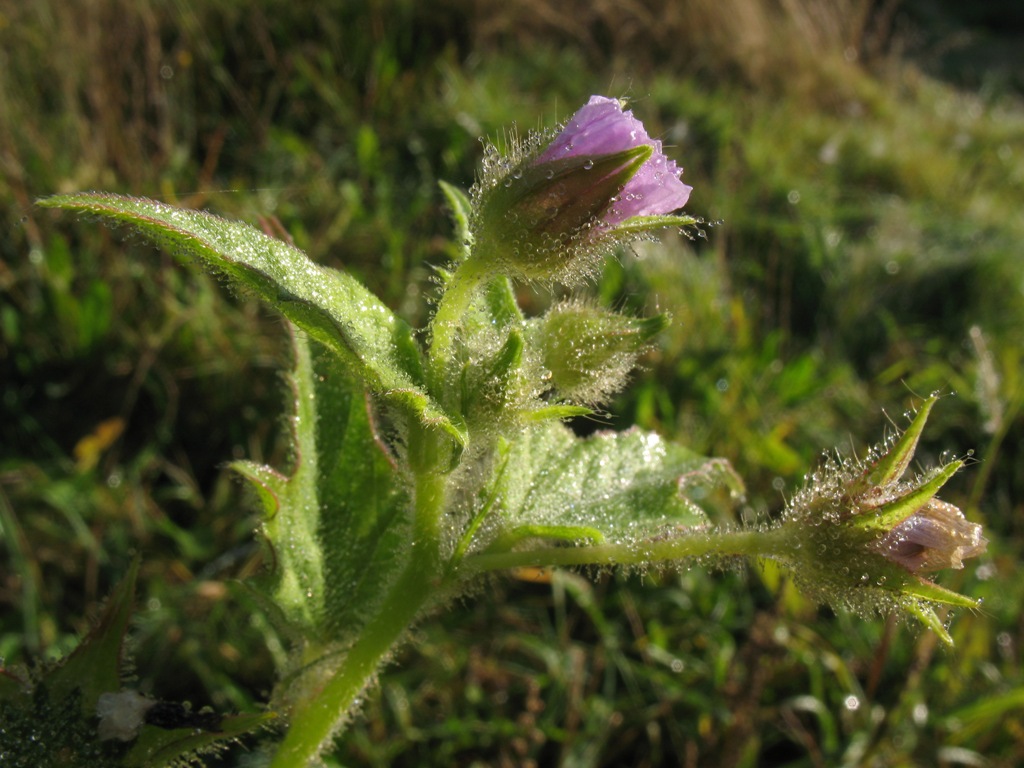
(591, 351)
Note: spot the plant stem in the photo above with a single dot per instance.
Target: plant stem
(315, 722)
(774, 542)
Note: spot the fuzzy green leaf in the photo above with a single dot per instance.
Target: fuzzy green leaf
(501, 303)
(11, 686)
(930, 619)
(625, 486)
(338, 524)
(560, 412)
(932, 592)
(889, 515)
(332, 307)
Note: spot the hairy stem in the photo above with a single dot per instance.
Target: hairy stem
(774, 542)
(316, 722)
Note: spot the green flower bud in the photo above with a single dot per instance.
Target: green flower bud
(591, 351)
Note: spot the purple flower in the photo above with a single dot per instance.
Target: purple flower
(937, 536)
(554, 214)
(600, 127)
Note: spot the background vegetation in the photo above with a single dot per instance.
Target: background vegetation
(862, 164)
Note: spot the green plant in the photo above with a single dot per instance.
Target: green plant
(421, 469)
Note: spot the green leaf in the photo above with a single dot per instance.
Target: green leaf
(339, 524)
(494, 387)
(94, 667)
(332, 307)
(157, 747)
(11, 686)
(501, 303)
(560, 411)
(626, 486)
(927, 616)
(567, 533)
(929, 590)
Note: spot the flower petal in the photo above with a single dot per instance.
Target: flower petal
(601, 127)
(937, 536)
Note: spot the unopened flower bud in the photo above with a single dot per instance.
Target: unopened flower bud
(602, 180)
(591, 351)
(601, 127)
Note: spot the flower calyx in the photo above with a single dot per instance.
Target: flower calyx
(863, 536)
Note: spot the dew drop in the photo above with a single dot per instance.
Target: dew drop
(588, 165)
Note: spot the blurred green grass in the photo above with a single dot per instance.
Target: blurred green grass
(863, 247)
